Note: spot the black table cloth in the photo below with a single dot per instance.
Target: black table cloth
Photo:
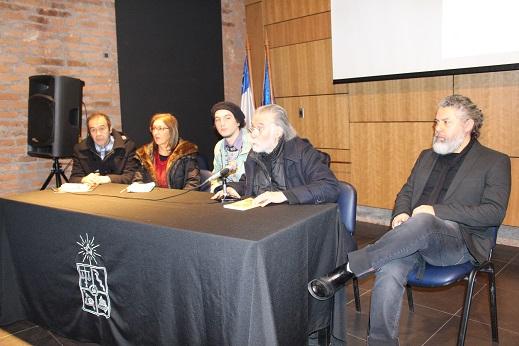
(165, 267)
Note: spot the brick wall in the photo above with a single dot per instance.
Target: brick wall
(75, 38)
(233, 40)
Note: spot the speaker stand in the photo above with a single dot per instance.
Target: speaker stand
(57, 172)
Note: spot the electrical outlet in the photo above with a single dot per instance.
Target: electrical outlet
(302, 112)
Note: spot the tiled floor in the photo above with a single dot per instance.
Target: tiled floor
(437, 311)
(434, 322)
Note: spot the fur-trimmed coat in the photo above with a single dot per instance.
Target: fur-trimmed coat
(181, 169)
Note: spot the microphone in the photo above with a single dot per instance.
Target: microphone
(222, 174)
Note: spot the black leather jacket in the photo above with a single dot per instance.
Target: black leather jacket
(306, 177)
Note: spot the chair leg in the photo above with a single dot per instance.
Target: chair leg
(410, 301)
(356, 294)
(493, 302)
(466, 308)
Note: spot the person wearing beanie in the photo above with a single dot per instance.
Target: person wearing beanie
(281, 166)
(232, 150)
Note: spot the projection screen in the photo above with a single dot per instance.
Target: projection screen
(387, 39)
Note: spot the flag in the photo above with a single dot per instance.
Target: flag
(268, 96)
(247, 98)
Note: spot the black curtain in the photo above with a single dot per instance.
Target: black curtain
(170, 60)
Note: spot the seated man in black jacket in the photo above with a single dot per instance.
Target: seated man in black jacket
(456, 192)
(281, 167)
(105, 156)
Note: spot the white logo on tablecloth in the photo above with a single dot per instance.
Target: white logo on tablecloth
(93, 282)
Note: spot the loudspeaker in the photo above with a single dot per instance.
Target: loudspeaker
(54, 123)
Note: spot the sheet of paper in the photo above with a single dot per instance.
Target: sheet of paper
(244, 204)
(74, 187)
(140, 187)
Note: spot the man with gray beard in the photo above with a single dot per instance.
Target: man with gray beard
(456, 193)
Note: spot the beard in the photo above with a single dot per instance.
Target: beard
(447, 147)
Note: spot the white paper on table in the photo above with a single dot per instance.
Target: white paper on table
(74, 187)
(140, 187)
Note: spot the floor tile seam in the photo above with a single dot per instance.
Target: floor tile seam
(356, 337)
(438, 330)
(18, 332)
(508, 330)
(476, 292)
(348, 302)
(489, 326)
(353, 301)
(460, 311)
(513, 258)
(55, 338)
(434, 309)
(484, 324)
(506, 264)
(363, 294)
(478, 321)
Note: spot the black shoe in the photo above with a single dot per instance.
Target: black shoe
(325, 287)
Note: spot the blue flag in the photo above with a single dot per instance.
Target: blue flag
(268, 97)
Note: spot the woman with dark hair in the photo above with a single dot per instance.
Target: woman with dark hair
(168, 160)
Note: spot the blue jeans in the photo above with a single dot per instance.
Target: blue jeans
(393, 256)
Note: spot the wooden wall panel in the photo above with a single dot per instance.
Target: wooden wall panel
(254, 18)
(341, 163)
(302, 69)
(325, 122)
(382, 156)
(338, 155)
(512, 215)
(342, 88)
(497, 94)
(299, 30)
(341, 170)
(281, 10)
(412, 99)
(377, 129)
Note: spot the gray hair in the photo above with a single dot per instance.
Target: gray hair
(280, 119)
(468, 107)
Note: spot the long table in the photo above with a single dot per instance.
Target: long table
(165, 267)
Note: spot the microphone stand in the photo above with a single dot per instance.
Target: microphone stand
(226, 197)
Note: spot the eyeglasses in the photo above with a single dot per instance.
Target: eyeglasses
(158, 129)
(255, 131)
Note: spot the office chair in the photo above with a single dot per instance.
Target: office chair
(435, 276)
(347, 202)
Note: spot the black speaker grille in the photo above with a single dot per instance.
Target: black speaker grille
(41, 120)
(54, 116)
